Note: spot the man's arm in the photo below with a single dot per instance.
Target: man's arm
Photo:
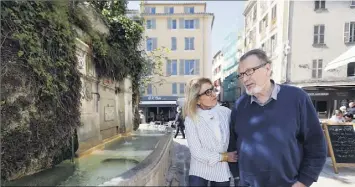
(233, 166)
(312, 137)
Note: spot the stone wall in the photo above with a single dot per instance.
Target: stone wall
(150, 172)
(106, 104)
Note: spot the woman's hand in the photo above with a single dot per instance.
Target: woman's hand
(232, 156)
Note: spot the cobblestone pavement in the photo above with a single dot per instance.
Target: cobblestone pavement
(179, 170)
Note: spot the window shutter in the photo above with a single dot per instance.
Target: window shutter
(182, 88)
(168, 67)
(146, 9)
(186, 9)
(166, 9)
(155, 41)
(197, 23)
(186, 43)
(169, 23)
(181, 67)
(347, 32)
(193, 43)
(181, 23)
(154, 23)
(197, 67)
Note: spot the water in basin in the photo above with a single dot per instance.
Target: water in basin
(100, 166)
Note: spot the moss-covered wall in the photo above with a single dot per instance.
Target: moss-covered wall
(40, 86)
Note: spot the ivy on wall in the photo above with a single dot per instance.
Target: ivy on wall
(40, 96)
(40, 90)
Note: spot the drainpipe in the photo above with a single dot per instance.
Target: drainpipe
(289, 39)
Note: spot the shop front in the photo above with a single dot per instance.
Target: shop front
(231, 89)
(326, 99)
(158, 108)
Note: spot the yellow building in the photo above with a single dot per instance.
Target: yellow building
(184, 29)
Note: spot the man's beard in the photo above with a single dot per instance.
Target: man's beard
(257, 89)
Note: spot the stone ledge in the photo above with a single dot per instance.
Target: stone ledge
(151, 171)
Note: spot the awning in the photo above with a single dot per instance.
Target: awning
(158, 103)
(343, 59)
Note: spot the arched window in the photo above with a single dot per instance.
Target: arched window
(351, 69)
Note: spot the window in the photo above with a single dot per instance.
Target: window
(189, 10)
(189, 43)
(319, 4)
(352, 3)
(273, 43)
(182, 88)
(349, 32)
(174, 88)
(171, 67)
(149, 89)
(151, 24)
(151, 44)
(169, 10)
(254, 13)
(273, 14)
(263, 24)
(318, 35)
(351, 69)
(172, 23)
(189, 24)
(317, 67)
(189, 67)
(173, 43)
(149, 10)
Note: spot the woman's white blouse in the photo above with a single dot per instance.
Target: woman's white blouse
(207, 137)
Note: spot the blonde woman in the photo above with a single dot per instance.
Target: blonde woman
(207, 132)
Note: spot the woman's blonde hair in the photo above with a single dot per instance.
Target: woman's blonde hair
(192, 92)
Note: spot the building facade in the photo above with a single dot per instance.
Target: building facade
(217, 73)
(302, 37)
(184, 29)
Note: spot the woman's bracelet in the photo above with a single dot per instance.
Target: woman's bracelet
(224, 157)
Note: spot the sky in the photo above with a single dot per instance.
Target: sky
(228, 18)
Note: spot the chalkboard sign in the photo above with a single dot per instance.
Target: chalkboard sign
(341, 143)
(342, 138)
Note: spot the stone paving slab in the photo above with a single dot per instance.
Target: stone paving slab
(179, 170)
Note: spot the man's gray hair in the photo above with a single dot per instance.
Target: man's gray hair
(258, 53)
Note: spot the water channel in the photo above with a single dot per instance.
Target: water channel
(100, 166)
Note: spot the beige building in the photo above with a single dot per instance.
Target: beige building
(302, 37)
(184, 29)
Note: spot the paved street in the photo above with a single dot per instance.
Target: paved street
(179, 170)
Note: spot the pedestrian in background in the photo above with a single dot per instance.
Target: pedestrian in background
(207, 131)
(179, 123)
(275, 129)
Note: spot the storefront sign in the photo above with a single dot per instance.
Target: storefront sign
(159, 98)
(318, 94)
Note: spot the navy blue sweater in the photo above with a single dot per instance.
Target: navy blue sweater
(280, 143)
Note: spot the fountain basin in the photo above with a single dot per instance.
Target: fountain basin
(152, 170)
(101, 165)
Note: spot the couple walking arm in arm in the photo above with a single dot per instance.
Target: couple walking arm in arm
(273, 132)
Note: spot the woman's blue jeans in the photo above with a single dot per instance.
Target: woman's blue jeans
(198, 181)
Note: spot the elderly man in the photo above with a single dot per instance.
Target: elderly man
(275, 129)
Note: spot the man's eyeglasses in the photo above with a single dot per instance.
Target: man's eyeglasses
(249, 71)
(209, 92)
